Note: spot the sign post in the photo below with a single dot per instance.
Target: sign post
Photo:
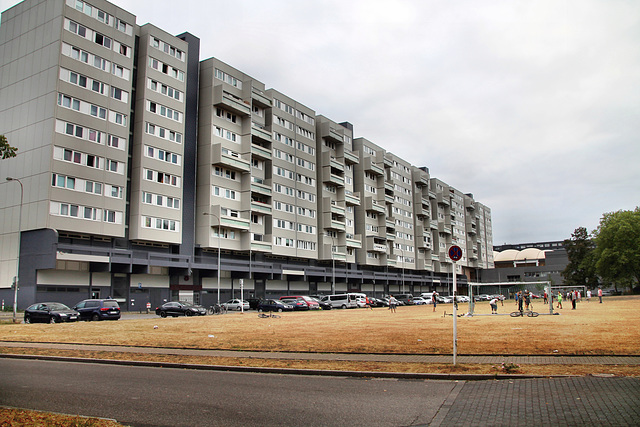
(455, 253)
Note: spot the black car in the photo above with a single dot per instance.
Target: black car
(50, 312)
(98, 309)
(253, 303)
(180, 308)
(323, 304)
(274, 305)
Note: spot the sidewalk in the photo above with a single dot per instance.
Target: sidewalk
(399, 358)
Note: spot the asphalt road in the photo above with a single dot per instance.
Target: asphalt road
(141, 396)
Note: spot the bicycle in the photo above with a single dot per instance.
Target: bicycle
(270, 315)
(217, 309)
(523, 313)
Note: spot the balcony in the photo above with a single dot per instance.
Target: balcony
(373, 244)
(391, 262)
(422, 212)
(337, 209)
(261, 207)
(354, 241)
(351, 157)
(369, 165)
(352, 198)
(328, 176)
(260, 99)
(389, 187)
(433, 224)
(235, 222)
(260, 133)
(443, 228)
(262, 189)
(328, 132)
(333, 162)
(263, 245)
(230, 102)
(221, 156)
(391, 236)
(443, 199)
(387, 162)
(390, 224)
(388, 199)
(372, 205)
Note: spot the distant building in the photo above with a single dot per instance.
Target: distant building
(528, 262)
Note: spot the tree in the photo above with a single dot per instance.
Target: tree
(6, 150)
(617, 254)
(581, 270)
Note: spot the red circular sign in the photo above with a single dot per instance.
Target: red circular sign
(455, 253)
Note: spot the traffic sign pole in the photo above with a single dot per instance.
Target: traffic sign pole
(455, 253)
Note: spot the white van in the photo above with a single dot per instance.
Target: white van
(427, 296)
(341, 300)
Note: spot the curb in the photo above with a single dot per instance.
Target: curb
(284, 371)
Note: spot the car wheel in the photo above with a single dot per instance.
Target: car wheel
(52, 319)
(163, 314)
(259, 310)
(343, 306)
(188, 313)
(238, 308)
(95, 317)
(27, 319)
(280, 310)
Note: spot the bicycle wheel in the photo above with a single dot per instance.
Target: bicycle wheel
(532, 314)
(516, 314)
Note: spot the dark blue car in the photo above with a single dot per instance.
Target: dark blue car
(274, 305)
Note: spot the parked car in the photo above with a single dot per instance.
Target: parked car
(404, 299)
(419, 301)
(236, 304)
(50, 312)
(180, 308)
(310, 303)
(297, 303)
(98, 309)
(443, 299)
(253, 302)
(274, 305)
(323, 305)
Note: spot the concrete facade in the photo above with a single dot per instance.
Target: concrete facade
(145, 168)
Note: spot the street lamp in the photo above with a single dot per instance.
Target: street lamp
(398, 248)
(218, 218)
(17, 281)
(333, 267)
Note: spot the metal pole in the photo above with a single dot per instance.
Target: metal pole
(333, 268)
(17, 281)
(455, 315)
(218, 218)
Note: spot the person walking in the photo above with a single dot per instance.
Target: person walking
(600, 294)
(434, 299)
(559, 300)
(494, 305)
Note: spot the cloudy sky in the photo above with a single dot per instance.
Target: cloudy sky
(534, 107)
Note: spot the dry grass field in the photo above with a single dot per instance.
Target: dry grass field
(608, 328)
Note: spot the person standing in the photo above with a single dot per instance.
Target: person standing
(520, 301)
(527, 299)
(393, 303)
(574, 299)
(589, 295)
(600, 294)
(545, 297)
(494, 305)
(434, 299)
(559, 300)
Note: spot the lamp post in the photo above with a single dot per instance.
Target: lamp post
(333, 267)
(17, 281)
(218, 218)
(402, 267)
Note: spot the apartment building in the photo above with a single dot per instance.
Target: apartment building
(150, 175)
